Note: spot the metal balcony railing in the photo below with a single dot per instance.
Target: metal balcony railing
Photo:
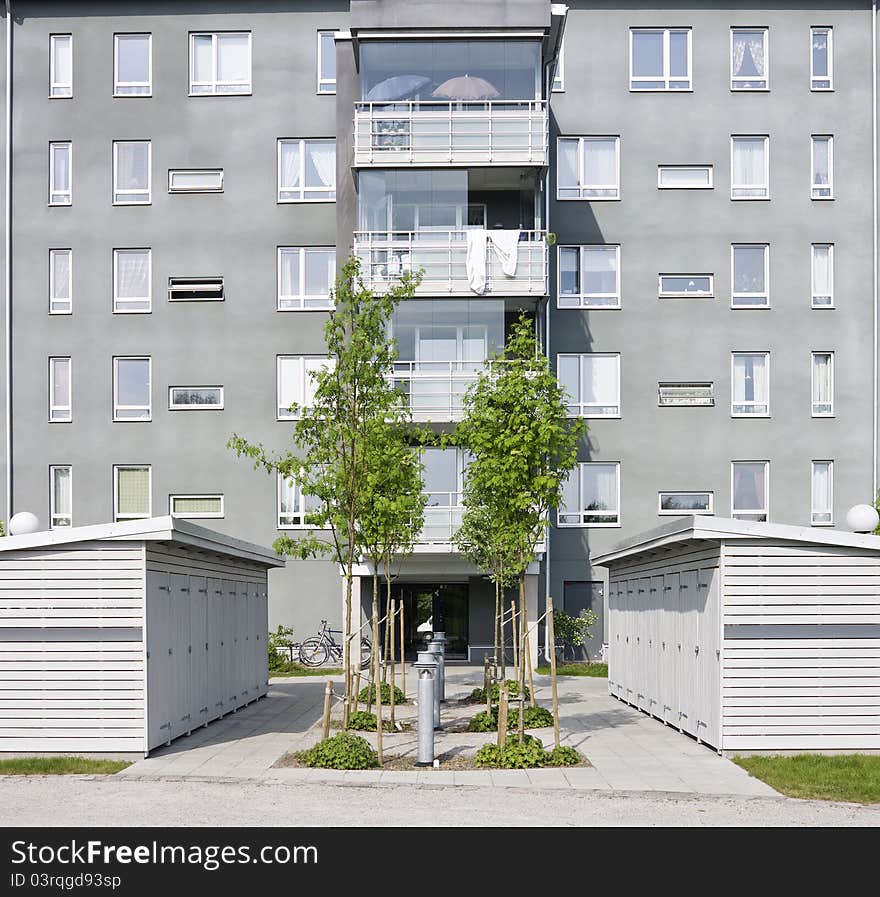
(458, 132)
(435, 389)
(443, 515)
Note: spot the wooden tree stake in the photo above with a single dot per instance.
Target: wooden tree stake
(377, 678)
(514, 639)
(528, 652)
(551, 642)
(328, 704)
(389, 636)
(487, 685)
(502, 714)
(402, 654)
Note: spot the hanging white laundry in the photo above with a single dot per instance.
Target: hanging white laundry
(475, 260)
(506, 246)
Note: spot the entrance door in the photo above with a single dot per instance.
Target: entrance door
(427, 604)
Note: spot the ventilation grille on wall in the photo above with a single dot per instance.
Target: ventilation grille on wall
(205, 289)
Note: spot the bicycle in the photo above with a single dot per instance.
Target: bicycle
(318, 649)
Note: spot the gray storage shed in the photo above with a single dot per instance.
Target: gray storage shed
(749, 636)
(123, 636)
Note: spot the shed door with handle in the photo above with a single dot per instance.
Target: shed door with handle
(160, 685)
(216, 680)
(198, 658)
(669, 651)
(708, 660)
(179, 661)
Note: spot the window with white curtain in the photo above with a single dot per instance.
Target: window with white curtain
(592, 383)
(60, 173)
(822, 493)
(220, 63)
(60, 390)
(589, 277)
(591, 496)
(132, 65)
(131, 172)
(195, 506)
(748, 59)
(60, 496)
(750, 393)
(131, 389)
(588, 168)
(326, 62)
(293, 505)
(750, 167)
(822, 265)
(305, 277)
(558, 85)
(132, 279)
(822, 166)
(132, 488)
(821, 59)
(295, 382)
(750, 275)
(750, 490)
(60, 66)
(823, 384)
(660, 59)
(306, 170)
(60, 281)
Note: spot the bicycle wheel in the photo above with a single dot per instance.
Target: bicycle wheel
(366, 653)
(313, 652)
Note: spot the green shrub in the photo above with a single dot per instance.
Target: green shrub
(484, 722)
(366, 722)
(533, 718)
(343, 751)
(478, 695)
(367, 694)
(282, 638)
(526, 754)
(563, 756)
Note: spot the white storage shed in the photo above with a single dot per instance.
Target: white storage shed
(749, 636)
(123, 636)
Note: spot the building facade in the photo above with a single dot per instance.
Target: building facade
(683, 201)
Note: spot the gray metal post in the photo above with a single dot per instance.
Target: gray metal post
(436, 651)
(426, 668)
(439, 638)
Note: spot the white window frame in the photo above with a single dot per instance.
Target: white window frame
(766, 185)
(742, 78)
(584, 407)
(301, 509)
(119, 305)
(667, 513)
(201, 515)
(749, 414)
(147, 192)
(215, 83)
(303, 190)
(52, 300)
(54, 84)
(67, 195)
(676, 294)
(303, 380)
(172, 406)
(117, 406)
(814, 187)
(742, 512)
(684, 404)
(582, 188)
(559, 71)
(813, 291)
(584, 522)
(665, 77)
(815, 513)
(64, 409)
(54, 513)
(302, 295)
(710, 169)
(321, 82)
(175, 171)
(117, 516)
(734, 295)
(117, 84)
(813, 402)
(582, 296)
(829, 31)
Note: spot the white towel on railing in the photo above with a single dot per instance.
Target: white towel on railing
(506, 246)
(475, 260)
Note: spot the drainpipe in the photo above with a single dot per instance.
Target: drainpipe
(874, 252)
(8, 253)
(548, 84)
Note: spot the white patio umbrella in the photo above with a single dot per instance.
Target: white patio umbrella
(396, 88)
(463, 87)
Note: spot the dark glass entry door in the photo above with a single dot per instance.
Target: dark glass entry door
(425, 605)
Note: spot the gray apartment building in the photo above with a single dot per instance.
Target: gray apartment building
(682, 196)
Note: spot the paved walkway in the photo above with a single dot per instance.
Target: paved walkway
(628, 750)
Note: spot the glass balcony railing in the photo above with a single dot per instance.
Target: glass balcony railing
(459, 132)
(435, 389)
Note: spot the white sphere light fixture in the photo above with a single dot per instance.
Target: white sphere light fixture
(22, 523)
(862, 519)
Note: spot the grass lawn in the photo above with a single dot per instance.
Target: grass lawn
(60, 766)
(848, 777)
(576, 669)
(296, 669)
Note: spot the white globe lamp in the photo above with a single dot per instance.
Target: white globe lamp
(23, 523)
(862, 519)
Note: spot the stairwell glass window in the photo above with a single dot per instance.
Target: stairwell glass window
(60, 177)
(131, 389)
(822, 364)
(60, 391)
(305, 277)
(822, 263)
(60, 496)
(296, 383)
(60, 66)
(60, 281)
(306, 170)
(589, 277)
(131, 172)
(132, 488)
(558, 85)
(750, 490)
(822, 493)
(588, 168)
(660, 59)
(195, 506)
(132, 279)
(821, 59)
(220, 63)
(750, 275)
(750, 384)
(591, 496)
(293, 505)
(326, 62)
(750, 167)
(592, 384)
(748, 59)
(822, 166)
(132, 65)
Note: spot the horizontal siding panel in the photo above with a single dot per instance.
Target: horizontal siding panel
(169, 559)
(818, 729)
(757, 592)
(134, 653)
(803, 663)
(81, 743)
(133, 711)
(813, 711)
(750, 548)
(815, 648)
(752, 681)
(857, 615)
(818, 741)
(57, 695)
(734, 563)
(70, 666)
(69, 728)
(69, 604)
(9, 578)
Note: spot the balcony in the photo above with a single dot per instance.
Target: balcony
(435, 389)
(436, 132)
(443, 515)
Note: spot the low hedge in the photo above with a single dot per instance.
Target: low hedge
(526, 754)
(343, 751)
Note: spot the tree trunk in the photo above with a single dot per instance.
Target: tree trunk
(551, 641)
(392, 616)
(522, 662)
(402, 653)
(515, 637)
(503, 646)
(375, 664)
(389, 627)
(377, 658)
(346, 649)
(495, 628)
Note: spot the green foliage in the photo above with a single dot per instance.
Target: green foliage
(526, 754)
(343, 751)
(849, 777)
(574, 631)
(563, 756)
(367, 695)
(534, 718)
(2, 529)
(297, 669)
(484, 722)
(478, 695)
(60, 766)
(599, 670)
(281, 638)
(877, 508)
(366, 722)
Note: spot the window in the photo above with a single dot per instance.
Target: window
(750, 384)
(822, 166)
(684, 177)
(293, 505)
(202, 180)
(591, 496)
(660, 59)
(131, 389)
(822, 260)
(132, 280)
(295, 381)
(60, 178)
(822, 493)
(326, 62)
(60, 66)
(592, 382)
(305, 277)
(60, 281)
(306, 170)
(823, 384)
(195, 505)
(60, 391)
(687, 286)
(558, 85)
(131, 172)
(686, 394)
(821, 59)
(588, 168)
(220, 63)
(589, 277)
(750, 489)
(131, 492)
(750, 275)
(748, 59)
(195, 398)
(669, 503)
(132, 65)
(195, 289)
(749, 167)
(60, 496)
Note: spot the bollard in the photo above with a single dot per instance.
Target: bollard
(436, 651)
(426, 668)
(437, 646)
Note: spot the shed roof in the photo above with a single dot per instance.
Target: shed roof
(152, 529)
(726, 529)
